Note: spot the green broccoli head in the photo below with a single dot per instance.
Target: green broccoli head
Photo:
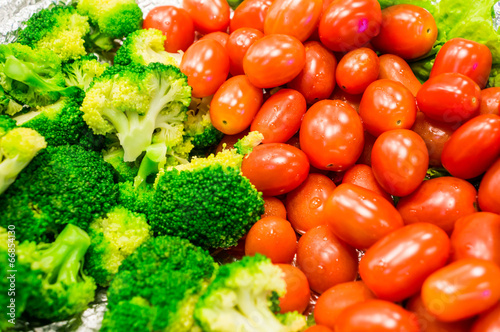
(163, 278)
(113, 238)
(8, 105)
(62, 185)
(127, 171)
(81, 72)
(59, 29)
(199, 125)
(239, 299)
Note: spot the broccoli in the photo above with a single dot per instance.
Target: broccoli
(199, 125)
(240, 298)
(7, 104)
(127, 171)
(6, 124)
(17, 148)
(245, 144)
(146, 46)
(111, 19)
(114, 238)
(82, 71)
(62, 185)
(59, 29)
(157, 287)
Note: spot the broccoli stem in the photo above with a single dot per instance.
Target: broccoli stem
(154, 159)
(9, 170)
(102, 41)
(256, 308)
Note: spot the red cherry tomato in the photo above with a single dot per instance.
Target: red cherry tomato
(325, 259)
(206, 64)
(237, 46)
(175, 23)
(399, 161)
(395, 68)
(359, 216)
(346, 25)
(466, 57)
(275, 168)
(218, 36)
(487, 195)
(274, 60)
(250, 14)
(450, 98)
(488, 321)
(473, 147)
(331, 134)
(490, 101)
(297, 294)
(318, 328)
(273, 207)
(366, 155)
(208, 15)
(362, 175)
(234, 105)
(351, 100)
(462, 289)
(356, 70)
(376, 316)
(387, 105)
(316, 81)
(280, 116)
(408, 31)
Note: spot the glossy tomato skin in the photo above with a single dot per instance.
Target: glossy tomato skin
(273, 207)
(250, 14)
(366, 155)
(395, 68)
(234, 105)
(467, 57)
(462, 289)
(206, 64)
(293, 17)
(399, 161)
(449, 97)
(351, 100)
(490, 101)
(218, 36)
(376, 316)
(316, 81)
(362, 175)
(325, 259)
(331, 135)
(297, 294)
(359, 216)
(487, 195)
(318, 328)
(346, 25)
(440, 201)
(274, 60)
(387, 105)
(357, 69)
(279, 118)
(237, 46)
(208, 15)
(488, 321)
(408, 31)
(275, 168)
(175, 23)
(395, 267)
(473, 147)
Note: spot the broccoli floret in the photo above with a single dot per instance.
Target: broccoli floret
(62, 185)
(111, 19)
(160, 282)
(127, 171)
(59, 29)
(17, 148)
(6, 124)
(7, 104)
(113, 238)
(239, 299)
(82, 71)
(31, 77)
(199, 125)
(146, 46)
(246, 144)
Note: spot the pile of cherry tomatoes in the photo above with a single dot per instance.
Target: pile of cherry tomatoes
(349, 137)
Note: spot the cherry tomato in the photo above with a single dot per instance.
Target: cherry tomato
(465, 57)
(490, 101)
(356, 70)
(316, 81)
(234, 105)
(273, 207)
(297, 294)
(175, 23)
(462, 289)
(318, 328)
(208, 15)
(325, 259)
(218, 36)
(450, 98)
(362, 175)
(376, 316)
(399, 161)
(346, 25)
(250, 14)
(237, 45)
(488, 321)
(280, 116)
(334, 300)
(275, 168)
(395, 68)
(366, 155)
(274, 60)
(306, 203)
(473, 147)
(440, 201)
(408, 31)
(331, 135)
(293, 17)
(477, 235)
(206, 64)
(351, 100)
(387, 105)
(359, 216)
(487, 195)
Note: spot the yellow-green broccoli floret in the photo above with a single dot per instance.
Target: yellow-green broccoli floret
(199, 125)
(82, 71)
(8, 105)
(246, 144)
